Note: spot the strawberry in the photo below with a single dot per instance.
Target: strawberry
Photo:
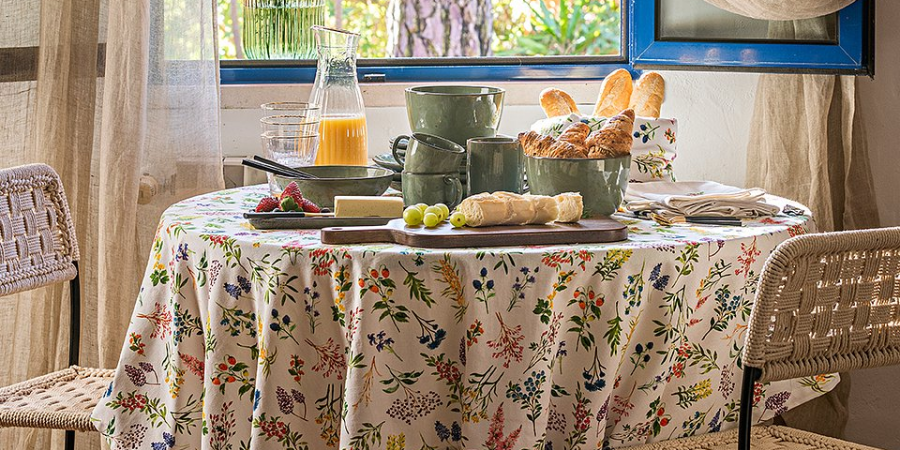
(267, 204)
(309, 206)
(292, 191)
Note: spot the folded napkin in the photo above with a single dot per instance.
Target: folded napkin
(670, 199)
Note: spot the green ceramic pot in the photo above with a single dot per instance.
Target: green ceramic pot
(601, 182)
(457, 113)
(339, 180)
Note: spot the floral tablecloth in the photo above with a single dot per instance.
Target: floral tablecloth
(270, 339)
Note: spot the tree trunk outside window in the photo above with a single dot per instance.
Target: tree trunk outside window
(431, 28)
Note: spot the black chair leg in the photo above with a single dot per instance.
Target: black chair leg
(745, 417)
(70, 440)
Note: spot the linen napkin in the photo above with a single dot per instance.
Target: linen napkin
(671, 199)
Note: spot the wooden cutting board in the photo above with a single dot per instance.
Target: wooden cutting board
(587, 231)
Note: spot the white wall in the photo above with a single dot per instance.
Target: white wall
(875, 395)
(714, 111)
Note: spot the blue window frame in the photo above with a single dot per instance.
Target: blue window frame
(851, 53)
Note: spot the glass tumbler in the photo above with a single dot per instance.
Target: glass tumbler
(291, 148)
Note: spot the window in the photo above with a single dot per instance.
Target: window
(267, 41)
(694, 34)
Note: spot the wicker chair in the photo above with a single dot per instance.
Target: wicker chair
(826, 303)
(38, 248)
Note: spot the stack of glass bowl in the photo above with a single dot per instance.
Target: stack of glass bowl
(290, 135)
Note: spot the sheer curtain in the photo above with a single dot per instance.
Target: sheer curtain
(121, 98)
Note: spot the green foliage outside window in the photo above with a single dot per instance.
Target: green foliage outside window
(521, 27)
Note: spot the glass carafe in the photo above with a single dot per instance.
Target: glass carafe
(342, 132)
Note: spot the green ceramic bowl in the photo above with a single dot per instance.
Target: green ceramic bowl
(457, 113)
(601, 182)
(339, 180)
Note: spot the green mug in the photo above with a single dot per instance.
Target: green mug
(455, 112)
(495, 164)
(431, 188)
(426, 153)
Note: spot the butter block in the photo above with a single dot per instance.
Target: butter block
(363, 206)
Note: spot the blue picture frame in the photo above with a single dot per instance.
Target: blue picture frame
(848, 56)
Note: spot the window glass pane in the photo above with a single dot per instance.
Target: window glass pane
(697, 20)
(279, 29)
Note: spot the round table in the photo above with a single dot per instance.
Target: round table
(244, 338)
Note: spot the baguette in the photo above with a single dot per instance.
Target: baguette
(615, 94)
(648, 96)
(556, 102)
(506, 208)
(570, 206)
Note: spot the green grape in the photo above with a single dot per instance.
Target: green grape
(437, 212)
(458, 219)
(431, 220)
(445, 211)
(412, 216)
(421, 207)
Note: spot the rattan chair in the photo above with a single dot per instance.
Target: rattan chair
(38, 248)
(826, 303)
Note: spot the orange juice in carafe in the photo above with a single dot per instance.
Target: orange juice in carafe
(342, 141)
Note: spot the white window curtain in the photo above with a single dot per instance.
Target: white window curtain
(781, 9)
(121, 98)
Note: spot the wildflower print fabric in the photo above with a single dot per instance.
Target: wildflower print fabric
(246, 339)
(652, 152)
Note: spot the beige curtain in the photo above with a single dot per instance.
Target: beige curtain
(808, 142)
(781, 9)
(121, 97)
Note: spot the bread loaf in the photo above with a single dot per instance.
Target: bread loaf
(545, 209)
(484, 210)
(648, 96)
(507, 208)
(569, 207)
(556, 102)
(615, 94)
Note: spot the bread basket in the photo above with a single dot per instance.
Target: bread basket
(653, 151)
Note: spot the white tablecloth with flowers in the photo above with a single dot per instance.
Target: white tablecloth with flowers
(270, 339)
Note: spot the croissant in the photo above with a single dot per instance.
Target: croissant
(535, 144)
(614, 138)
(575, 133)
(563, 149)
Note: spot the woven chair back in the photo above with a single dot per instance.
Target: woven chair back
(37, 235)
(827, 303)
